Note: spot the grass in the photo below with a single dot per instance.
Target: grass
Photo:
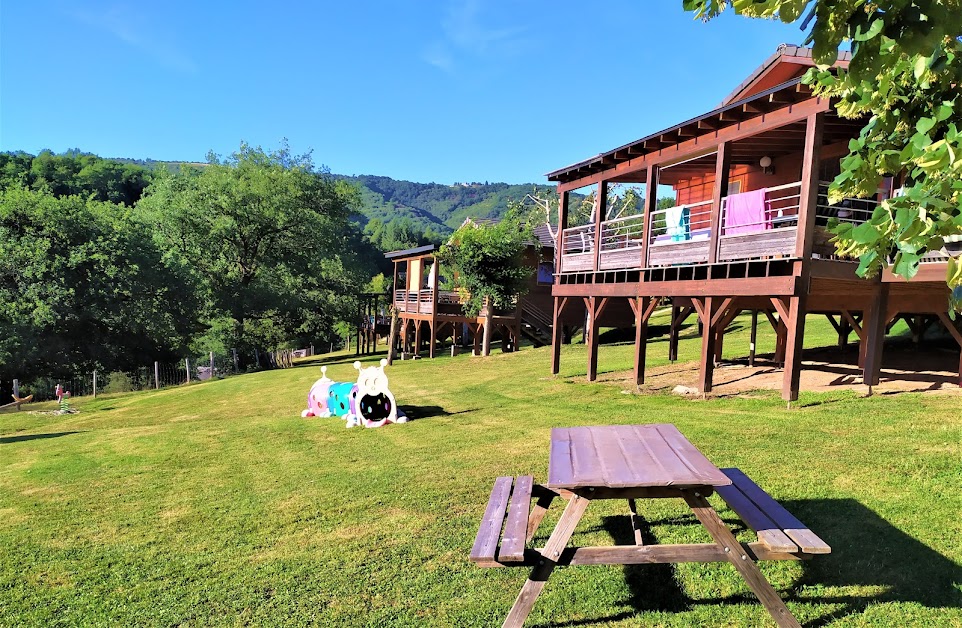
(217, 504)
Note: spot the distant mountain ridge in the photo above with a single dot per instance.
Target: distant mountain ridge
(441, 207)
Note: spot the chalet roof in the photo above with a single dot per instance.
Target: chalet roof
(787, 62)
(420, 250)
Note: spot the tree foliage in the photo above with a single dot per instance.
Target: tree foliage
(269, 239)
(83, 286)
(904, 79)
(488, 263)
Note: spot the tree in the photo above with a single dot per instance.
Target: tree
(904, 78)
(82, 286)
(487, 262)
(269, 239)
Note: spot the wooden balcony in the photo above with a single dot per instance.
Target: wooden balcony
(682, 235)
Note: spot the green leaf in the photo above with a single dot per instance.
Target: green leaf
(924, 125)
(921, 63)
(865, 233)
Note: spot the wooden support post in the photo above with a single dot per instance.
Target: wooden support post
(722, 166)
(476, 336)
(753, 339)
(16, 388)
(599, 218)
(562, 225)
(641, 338)
(808, 195)
(795, 335)
(95, 385)
(556, 334)
(488, 312)
(187, 368)
(673, 334)
(707, 344)
(156, 375)
(434, 337)
(780, 333)
(874, 329)
(593, 339)
(651, 205)
(417, 337)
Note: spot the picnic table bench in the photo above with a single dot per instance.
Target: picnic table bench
(635, 462)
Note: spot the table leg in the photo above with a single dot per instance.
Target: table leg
(538, 512)
(552, 550)
(742, 562)
(635, 522)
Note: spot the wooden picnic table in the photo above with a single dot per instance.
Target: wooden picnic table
(634, 462)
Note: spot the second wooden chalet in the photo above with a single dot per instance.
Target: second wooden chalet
(749, 231)
(429, 313)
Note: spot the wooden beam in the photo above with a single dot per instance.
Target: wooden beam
(854, 324)
(556, 331)
(651, 204)
(602, 209)
(721, 311)
(808, 197)
(593, 341)
(875, 336)
(780, 306)
(722, 167)
(641, 337)
(795, 336)
(652, 306)
(707, 345)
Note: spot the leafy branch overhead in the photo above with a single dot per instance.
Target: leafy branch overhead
(903, 80)
(487, 261)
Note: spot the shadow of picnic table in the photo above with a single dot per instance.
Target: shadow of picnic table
(868, 552)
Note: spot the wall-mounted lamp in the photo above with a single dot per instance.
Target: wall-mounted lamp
(766, 164)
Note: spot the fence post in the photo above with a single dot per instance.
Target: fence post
(187, 366)
(16, 388)
(95, 384)
(211, 366)
(234, 351)
(156, 375)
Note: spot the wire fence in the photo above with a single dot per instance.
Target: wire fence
(152, 376)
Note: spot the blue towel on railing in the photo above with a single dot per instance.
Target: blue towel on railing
(678, 223)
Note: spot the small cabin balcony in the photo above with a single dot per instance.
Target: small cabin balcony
(682, 235)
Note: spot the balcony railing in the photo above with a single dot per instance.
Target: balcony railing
(422, 301)
(681, 235)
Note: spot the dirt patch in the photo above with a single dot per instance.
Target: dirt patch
(822, 371)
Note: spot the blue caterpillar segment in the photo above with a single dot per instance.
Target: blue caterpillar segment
(341, 398)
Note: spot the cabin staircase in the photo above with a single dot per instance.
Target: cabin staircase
(535, 324)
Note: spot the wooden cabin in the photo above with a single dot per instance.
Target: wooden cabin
(430, 314)
(749, 231)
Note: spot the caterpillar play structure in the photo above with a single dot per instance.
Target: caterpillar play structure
(367, 402)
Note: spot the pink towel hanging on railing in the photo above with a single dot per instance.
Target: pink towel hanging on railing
(745, 213)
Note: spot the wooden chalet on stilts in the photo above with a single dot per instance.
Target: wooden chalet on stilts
(429, 314)
(749, 232)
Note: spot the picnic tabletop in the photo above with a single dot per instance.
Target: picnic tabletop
(623, 456)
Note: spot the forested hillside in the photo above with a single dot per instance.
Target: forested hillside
(441, 208)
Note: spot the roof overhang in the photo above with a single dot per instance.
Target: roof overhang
(781, 96)
(415, 252)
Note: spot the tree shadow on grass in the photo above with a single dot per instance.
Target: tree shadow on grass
(867, 552)
(25, 437)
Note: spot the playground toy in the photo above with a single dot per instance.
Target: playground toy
(367, 402)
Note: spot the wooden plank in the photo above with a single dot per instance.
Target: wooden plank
(808, 195)
(794, 338)
(717, 316)
(806, 540)
(769, 534)
(635, 521)
(551, 552)
(760, 244)
(613, 457)
(854, 324)
(743, 564)
(651, 205)
(516, 527)
(661, 554)
(585, 463)
(703, 470)
(486, 542)
(780, 306)
(544, 496)
(560, 468)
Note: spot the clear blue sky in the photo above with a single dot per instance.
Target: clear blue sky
(444, 91)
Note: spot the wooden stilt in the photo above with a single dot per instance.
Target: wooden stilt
(780, 334)
(434, 338)
(557, 332)
(641, 337)
(417, 337)
(673, 335)
(874, 328)
(752, 340)
(795, 335)
(707, 343)
(593, 340)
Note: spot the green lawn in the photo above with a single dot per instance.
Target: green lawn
(217, 504)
